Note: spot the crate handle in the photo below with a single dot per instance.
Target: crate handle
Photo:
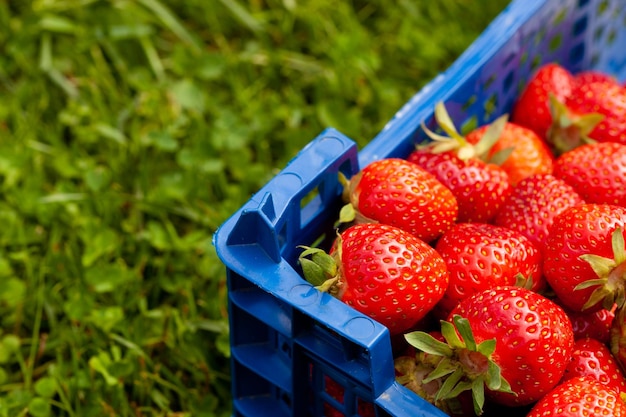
(273, 215)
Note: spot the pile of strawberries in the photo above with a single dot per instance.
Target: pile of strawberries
(496, 259)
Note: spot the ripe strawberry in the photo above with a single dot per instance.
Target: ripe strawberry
(580, 397)
(480, 256)
(397, 192)
(591, 76)
(596, 171)
(594, 111)
(519, 151)
(532, 108)
(533, 204)
(617, 342)
(479, 188)
(382, 271)
(584, 256)
(511, 340)
(593, 358)
(595, 325)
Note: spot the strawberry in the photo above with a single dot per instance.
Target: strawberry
(584, 257)
(382, 271)
(591, 76)
(512, 341)
(596, 325)
(580, 397)
(593, 358)
(480, 256)
(532, 108)
(596, 171)
(397, 192)
(519, 151)
(594, 111)
(532, 205)
(479, 187)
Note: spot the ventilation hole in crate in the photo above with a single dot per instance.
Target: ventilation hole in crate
(282, 236)
(523, 58)
(334, 389)
(555, 42)
(507, 83)
(577, 53)
(559, 18)
(536, 62)
(594, 60)
(508, 60)
(520, 87)
(602, 7)
(489, 81)
(540, 36)
(582, 3)
(468, 103)
(469, 125)
(610, 39)
(330, 411)
(580, 26)
(286, 398)
(597, 34)
(286, 349)
(310, 196)
(491, 105)
(366, 408)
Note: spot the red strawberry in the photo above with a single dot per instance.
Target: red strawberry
(479, 187)
(511, 340)
(532, 108)
(593, 358)
(597, 172)
(584, 256)
(533, 204)
(580, 397)
(595, 325)
(524, 153)
(617, 342)
(397, 192)
(382, 271)
(480, 256)
(591, 76)
(594, 111)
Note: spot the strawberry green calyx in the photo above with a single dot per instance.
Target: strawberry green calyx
(569, 131)
(464, 364)
(321, 269)
(611, 281)
(457, 143)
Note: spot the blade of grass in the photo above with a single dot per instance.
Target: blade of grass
(171, 22)
(243, 16)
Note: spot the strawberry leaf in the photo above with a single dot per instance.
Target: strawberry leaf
(427, 343)
(601, 266)
(617, 242)
(491, 136)
(347, 214)
(449, 384)
(487, 347)
(445, 122)
(445, 367)
(478, 395)
(462, 325)
(450, 335)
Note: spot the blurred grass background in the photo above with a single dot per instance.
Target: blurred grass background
(129, 131)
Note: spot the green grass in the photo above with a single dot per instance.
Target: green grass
(129, 131)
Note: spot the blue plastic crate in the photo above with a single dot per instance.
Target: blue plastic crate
(287, 339)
